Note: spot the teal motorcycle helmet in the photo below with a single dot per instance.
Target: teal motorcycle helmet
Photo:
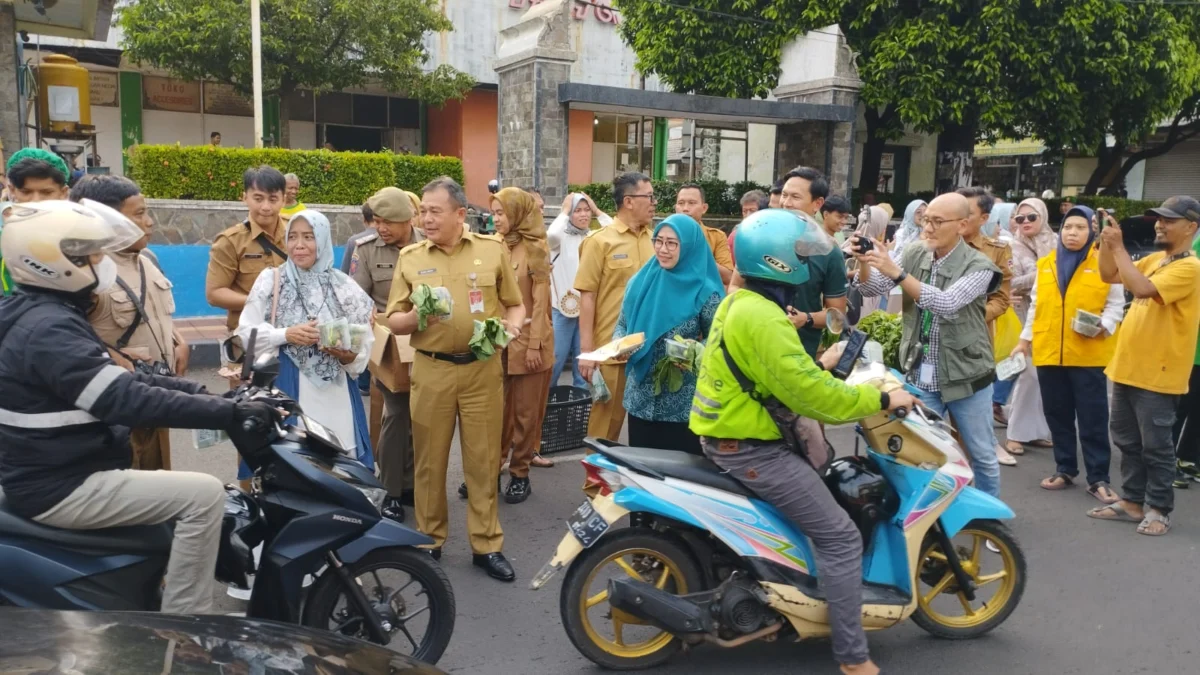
(774, 246)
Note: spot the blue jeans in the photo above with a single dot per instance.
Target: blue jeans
(566, 343)
(973, 419)
(1002, 390)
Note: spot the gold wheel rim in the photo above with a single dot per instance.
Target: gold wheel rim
(662, 573)
(972, 615)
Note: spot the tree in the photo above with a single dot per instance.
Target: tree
(321, 45)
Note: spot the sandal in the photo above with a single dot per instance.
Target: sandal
(1064, 482)
(1105, 497)
(1118, 513)
(1003, 457)
(1153, 516)
(1014, 447)
(1041, 443)
(541, 462)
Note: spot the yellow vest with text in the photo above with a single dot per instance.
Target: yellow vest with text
(1055, 342)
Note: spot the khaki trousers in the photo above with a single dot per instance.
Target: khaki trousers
(472, 395)
(151, 449)
(195, 501)
(393, 449)
(524, 409)
(608, 418)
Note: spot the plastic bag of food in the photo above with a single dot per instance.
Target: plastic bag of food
(358, 335)
(431, 302)
(682, 356)
(206, 438)
(489, 337)
(1086, 323)
(1011, 367)
(334, 334)
(600, 392)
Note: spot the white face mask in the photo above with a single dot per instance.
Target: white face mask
(106, 274)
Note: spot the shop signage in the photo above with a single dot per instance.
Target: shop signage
(601, 10)
(103, 88)
(165, 93)
(223, 99)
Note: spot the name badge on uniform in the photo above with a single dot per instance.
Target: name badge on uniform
(384, 266)
(431, 270)
(620, 256)
(926, 374)
(252, 255)
(475, 296)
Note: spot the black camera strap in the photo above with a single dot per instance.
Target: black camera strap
(141, 316)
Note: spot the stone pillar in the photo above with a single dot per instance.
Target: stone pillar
(816, 69)
(534, 56)
(10, 102)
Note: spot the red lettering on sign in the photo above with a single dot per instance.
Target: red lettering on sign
(601, 9)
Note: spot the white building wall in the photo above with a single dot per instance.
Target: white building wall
(108, 137)
(761, 144)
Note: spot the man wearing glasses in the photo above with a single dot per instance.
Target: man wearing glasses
(608, 258)
(946, 346)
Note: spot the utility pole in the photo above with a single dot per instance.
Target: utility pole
(256, 55)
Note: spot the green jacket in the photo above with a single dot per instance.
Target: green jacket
(6, 283)
(766, 347)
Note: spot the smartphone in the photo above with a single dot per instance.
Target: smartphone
(1101, 216)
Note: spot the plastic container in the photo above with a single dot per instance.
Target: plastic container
(1086, 323)
(1011, 367)
(566, 421)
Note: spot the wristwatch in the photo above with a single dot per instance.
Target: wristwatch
(809, 323)
(902, 277)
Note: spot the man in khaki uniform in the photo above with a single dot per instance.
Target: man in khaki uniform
(372, 266)
(448, 382)
(240, 253)
(134, 316)
(995, 250)
(608, 259)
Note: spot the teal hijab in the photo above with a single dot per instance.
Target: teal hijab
(657, 300)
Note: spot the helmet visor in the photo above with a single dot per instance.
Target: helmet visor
(813, 241)
(106, 232)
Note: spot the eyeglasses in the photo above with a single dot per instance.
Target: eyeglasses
(653, 199)
(666, 244)
(1031, 218)
(935, 223)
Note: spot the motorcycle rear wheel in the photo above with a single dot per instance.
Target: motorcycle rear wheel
(1008, 583)
(329, 607)
(644, 555)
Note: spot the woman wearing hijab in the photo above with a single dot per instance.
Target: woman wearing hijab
(999, 223)
(873, 226)
(1070, 363)
(529, 359)
(676, 293)
(564, 236)
(286, 304)
(910, 227)
(1032, 240)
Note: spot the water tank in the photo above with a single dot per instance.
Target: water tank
(64, 96)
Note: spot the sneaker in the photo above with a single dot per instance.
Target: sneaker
(240, 594)
(1182, 480)
(1188, 469)
(518, 490)
(1003, 456)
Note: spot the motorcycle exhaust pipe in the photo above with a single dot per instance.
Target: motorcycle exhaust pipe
(672, 613)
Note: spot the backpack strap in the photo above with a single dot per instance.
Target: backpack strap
(275, 296)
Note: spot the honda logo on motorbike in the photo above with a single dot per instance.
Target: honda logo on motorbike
(347, 519)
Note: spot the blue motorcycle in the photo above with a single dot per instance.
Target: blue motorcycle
(703, 560)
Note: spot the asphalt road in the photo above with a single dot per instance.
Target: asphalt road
(1100, 598)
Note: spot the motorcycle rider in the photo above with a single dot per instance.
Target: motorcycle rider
(755, 378)
(66, 407)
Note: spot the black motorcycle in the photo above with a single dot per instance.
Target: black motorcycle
(314, 510)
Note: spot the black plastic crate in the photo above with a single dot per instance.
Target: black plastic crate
(566, 422)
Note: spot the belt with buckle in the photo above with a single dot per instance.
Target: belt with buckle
(456, 359)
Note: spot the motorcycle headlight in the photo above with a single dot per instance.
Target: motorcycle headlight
(373, 495)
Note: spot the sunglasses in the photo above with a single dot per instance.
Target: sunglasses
(1031, 218)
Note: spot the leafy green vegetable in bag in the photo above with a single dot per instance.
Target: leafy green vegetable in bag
(683, 355)
(489, 336)
(430, 302)
(886, 329)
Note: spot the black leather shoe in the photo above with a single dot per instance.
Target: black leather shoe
(518, 490)
(393, 509)
(496, 565)
(462, 489)
(435, 553)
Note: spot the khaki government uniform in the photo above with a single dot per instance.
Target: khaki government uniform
(1000, 254)
(153, 341)
(443, 391)
(235, 260)
(372, 267)
(525, 391)
(608, 259)
(718, 243)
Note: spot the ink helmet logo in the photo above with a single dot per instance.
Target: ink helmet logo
(38, 268)
(777, 264)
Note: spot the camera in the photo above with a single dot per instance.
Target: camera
(157, 368)
(863, 245)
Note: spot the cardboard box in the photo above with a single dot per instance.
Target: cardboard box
(391, 359)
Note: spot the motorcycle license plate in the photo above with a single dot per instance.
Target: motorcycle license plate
(587, 525)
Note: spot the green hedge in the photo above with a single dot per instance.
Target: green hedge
(724, 199)
(204, 172)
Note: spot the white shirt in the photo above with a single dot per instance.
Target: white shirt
(564, 240)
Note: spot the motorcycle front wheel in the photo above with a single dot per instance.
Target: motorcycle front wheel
(607, 636)
(407, 589)
(998, 572)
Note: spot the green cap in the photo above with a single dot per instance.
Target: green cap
(392, 204)
(42, 154)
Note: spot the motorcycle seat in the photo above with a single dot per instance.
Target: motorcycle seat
(675, 464)
(140, 539)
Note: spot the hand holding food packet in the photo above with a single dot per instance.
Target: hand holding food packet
(431, 302)
(341, 334)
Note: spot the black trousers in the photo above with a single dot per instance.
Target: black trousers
(1072, 393)
(1187, 421)
(663, 436)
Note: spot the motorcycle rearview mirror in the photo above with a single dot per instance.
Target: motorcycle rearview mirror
(248, 357)
(835, 321)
